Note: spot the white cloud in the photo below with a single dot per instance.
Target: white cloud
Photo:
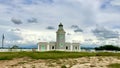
(84, 13)
(116, 2)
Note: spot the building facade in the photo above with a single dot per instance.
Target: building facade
(60, 43)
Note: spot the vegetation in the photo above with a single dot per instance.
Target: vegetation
(63, 66)
(14, 47)
(52, 55)
(116, 65)
(108, 47)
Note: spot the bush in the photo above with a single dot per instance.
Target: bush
(63, 66)
(108, 47)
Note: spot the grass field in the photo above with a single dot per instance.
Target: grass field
(52, 55)
(116, 65)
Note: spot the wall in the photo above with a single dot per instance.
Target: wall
(15, 50)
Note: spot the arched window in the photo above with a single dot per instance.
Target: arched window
(53, 47)
(66, 47)
(76, 48)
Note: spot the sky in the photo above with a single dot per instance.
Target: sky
(90, 22)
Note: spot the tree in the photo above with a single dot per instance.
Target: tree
(14, 47)
(108, 47)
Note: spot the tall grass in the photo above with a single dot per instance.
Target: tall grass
(52, 55)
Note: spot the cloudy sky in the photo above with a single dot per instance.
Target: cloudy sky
(26, 22)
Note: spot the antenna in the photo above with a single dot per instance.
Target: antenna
(119, 39)
(3, 41)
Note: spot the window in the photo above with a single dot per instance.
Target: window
(66, 47)
(76, 48)
(53, 47)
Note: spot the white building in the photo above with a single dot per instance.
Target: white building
(60, 43)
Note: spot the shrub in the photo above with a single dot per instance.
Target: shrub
(108, 47)
(63, 66)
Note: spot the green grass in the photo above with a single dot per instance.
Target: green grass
(116, 65)
(52, 55)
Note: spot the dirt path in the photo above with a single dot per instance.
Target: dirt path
(83, 62)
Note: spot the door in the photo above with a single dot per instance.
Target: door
(42, 47)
